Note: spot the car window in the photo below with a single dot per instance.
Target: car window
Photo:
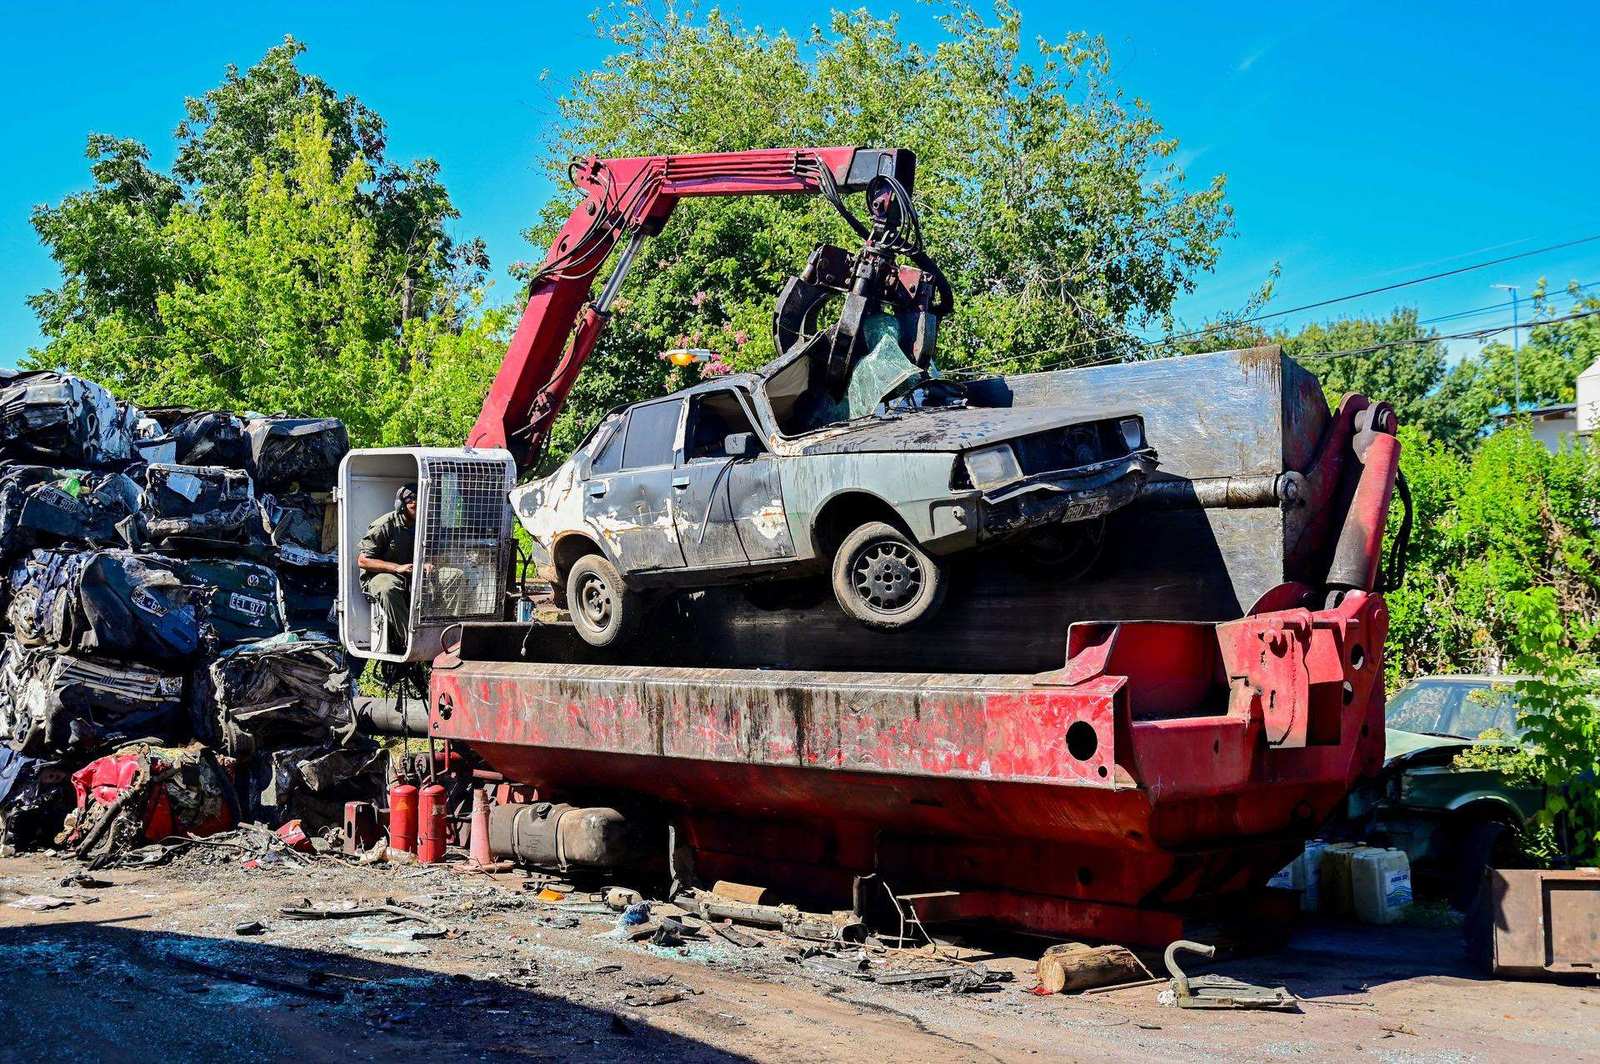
(652, 435)
(713, 416)
(609, 456)
(1484, 708)
(1421, 706)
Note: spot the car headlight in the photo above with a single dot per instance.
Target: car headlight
(1132, 432)
(990, 467)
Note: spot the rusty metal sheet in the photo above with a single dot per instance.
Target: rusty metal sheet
(700, 510)
(1545, 921)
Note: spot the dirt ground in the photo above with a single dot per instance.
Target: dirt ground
(151, 967)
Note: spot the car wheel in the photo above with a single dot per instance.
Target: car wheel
(884, 579)
(1066, 552)
(1483, 844)
(603, 611)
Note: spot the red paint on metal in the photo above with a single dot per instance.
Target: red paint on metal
(1215, 749)
(106, 779)
(1369, 508)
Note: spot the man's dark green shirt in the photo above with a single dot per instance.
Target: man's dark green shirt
(388, 539)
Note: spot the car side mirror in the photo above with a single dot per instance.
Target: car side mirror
(740, 445)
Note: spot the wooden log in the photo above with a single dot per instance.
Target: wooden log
(1073, 966)
(750, 895)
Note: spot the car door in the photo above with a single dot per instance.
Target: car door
(701, 510)
(632, 508)
(755, 495)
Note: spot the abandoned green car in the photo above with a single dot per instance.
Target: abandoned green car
(1452, 821)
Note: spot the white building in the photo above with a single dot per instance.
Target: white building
(1588, 404)
(1551, 425)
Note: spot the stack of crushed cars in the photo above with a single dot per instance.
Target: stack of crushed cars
(168, 657)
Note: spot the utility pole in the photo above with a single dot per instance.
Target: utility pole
(1516, 350)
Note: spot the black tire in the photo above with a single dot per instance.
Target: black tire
(603, 610)
(884, 579)
(1480, 845)
(1064, 552)
(1477, 932)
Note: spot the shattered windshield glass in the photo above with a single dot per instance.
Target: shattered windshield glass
(885, 380)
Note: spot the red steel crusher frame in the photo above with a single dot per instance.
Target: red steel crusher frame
(1163, 765)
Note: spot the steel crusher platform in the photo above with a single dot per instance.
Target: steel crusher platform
(1165, 764)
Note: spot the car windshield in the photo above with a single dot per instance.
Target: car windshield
(1461, 708)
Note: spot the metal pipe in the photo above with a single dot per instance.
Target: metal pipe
(1360, 545)
(388, 716)
(613, 285)
(1226, 493)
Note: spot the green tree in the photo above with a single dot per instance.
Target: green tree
(1357, 354)
(1405, 376)
(1049, 197)
(284, 265)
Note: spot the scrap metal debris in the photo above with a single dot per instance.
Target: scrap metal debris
(306, 911)
(394, 943)
(168, 601)
(1218, 991)
(42, 902)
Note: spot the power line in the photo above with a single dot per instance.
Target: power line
(1475, 334)
(1385, 288)
(1235, 323)
(1495, 307)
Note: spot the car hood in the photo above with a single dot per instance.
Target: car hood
(1398, 745)
(946, 429)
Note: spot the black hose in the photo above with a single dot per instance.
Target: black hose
(1395, 572)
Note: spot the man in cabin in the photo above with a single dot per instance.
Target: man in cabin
(386, 558)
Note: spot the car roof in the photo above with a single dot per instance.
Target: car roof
(731, 380)
(1473, 678)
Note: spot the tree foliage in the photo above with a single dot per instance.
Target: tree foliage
(285, 264)
(1505, 520)
(1050, 198)
(1560, 715)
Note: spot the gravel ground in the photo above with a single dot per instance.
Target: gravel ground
(151, 967)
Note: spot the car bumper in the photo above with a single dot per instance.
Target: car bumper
(1062, 497)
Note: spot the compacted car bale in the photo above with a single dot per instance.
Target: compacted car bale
(143, 561)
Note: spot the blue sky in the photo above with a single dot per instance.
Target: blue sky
(1364, 143)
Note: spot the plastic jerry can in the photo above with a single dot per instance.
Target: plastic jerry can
(1333, 887)
(1284, 879)
(1380, 884)
(1308, 875)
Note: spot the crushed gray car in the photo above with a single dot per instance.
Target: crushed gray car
(744, 479)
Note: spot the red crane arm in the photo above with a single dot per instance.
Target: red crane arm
(560, 324)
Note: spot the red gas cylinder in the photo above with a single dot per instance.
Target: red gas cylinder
(432, 827)
(402, 817)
